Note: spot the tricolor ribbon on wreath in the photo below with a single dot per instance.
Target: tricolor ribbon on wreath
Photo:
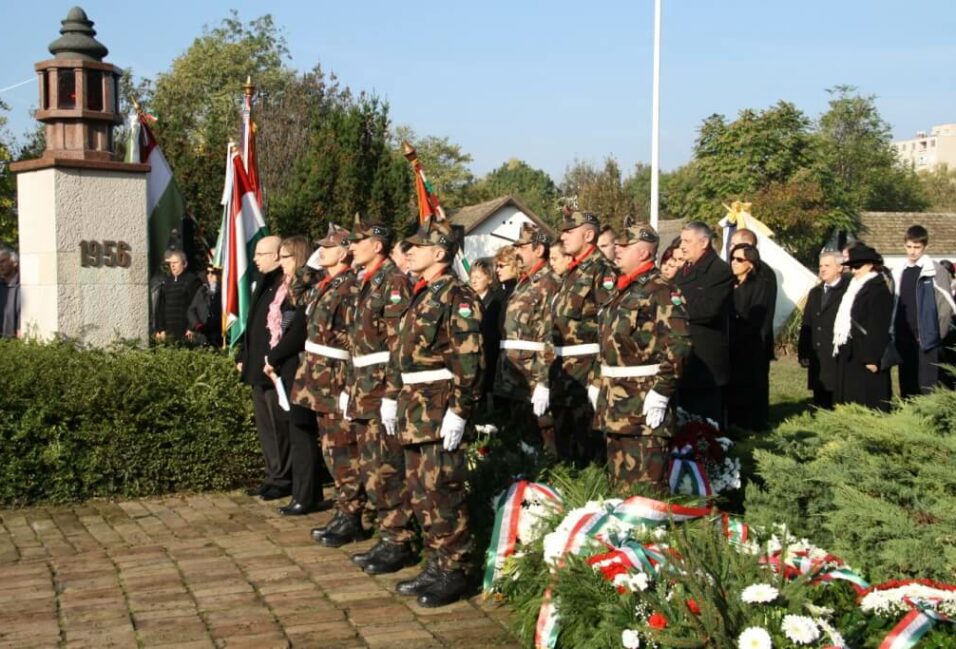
(603, 526)
(683, 464)
(914, 625)
(508, 513)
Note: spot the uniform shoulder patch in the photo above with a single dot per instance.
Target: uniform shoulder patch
(395, 296)
(676, 298)
(464, 310)
(607, 282)
(378, 279)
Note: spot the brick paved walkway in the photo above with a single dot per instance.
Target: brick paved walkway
(213, 570)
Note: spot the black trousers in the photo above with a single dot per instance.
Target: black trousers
(306, 458)
(704, 402)
(273, 425)
(823, 398)
(919, 372)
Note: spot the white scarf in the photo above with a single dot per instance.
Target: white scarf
(842, 326)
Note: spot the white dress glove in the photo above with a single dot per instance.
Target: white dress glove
(593, 392)
(344, 404)
(452, 430)
(540, 400)
(389, 415)
(655, 407)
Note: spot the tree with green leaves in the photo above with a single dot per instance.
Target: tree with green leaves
(445, 164)
(198, 104)
(8, 187)
(518, 178)
(939, 187)
(599, 190)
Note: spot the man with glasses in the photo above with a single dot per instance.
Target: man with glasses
(587, 284)
(644, 341)
(522, 372)
(253, 347)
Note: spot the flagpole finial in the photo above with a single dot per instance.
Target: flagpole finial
(248, 88)
(409, 151)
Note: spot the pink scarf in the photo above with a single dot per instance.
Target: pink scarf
(274, 318)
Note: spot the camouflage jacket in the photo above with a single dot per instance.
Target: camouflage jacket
(574, 308)
(644, 324)
(527, 318)
(382, 299)
(439, 331)
(320, 379)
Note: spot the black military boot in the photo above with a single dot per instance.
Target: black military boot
(317, 532)
(348, 530)
(391, 558)
(362, 558)
(417, 585)
(449, 587)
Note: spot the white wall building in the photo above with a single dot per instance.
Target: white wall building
(493, 224)
(927, 152)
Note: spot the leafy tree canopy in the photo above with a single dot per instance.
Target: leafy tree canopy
(518, 178)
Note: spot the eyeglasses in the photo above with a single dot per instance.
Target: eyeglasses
(263, 254)
(739, 260)
(286, 256)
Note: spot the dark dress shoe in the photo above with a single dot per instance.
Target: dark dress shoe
(448, 588)
(417, 585)
(391, 558)
(348, 530)
(317, 532)
(296, 509)
(274, 493)
(362, 558)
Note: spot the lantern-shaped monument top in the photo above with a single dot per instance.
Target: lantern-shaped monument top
(78, 94)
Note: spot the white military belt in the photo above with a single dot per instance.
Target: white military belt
(524, 345)
(323, 350)
(428, 376)
(370, 359)
(629, 371)
(577, 350)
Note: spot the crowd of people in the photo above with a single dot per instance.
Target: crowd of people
(368, 356)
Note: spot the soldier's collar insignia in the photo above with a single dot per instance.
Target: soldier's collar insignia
(464, 310)
(379, 277)
(439, 284)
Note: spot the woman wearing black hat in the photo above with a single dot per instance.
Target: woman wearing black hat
(861, 332)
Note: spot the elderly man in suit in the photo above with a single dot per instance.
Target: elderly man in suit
(707, 285)
(815, 349)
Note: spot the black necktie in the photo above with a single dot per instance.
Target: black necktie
(826, 295)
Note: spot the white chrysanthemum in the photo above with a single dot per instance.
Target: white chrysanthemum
(800, 629)
(534, 514)
(836, 639)
(630, 639)
(554, 542)
(754, 637)
(897, 600)
(639, 582)
(759, 594)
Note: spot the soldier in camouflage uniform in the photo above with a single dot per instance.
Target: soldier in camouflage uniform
(644, 341)
(523, 365)
(383, 295)
(585, 287)
(434, 380)
(321, 377)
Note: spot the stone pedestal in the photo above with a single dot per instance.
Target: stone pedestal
(83, 250)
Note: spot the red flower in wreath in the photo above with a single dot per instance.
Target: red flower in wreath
(657, 621)
(693, 607)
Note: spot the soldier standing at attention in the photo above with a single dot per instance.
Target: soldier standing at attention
(383, 296)
(522, 372)
(321, 379)
(644, 340)
(585, 286)
(434, 379)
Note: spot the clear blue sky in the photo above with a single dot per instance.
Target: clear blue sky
(549, 82)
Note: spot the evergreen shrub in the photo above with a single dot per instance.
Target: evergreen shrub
(876, 489)
(77, 423)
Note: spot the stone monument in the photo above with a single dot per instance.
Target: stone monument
(82, 214)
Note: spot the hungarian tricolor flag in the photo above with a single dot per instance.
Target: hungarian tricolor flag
(242, 228)
(248, 143)
(165, 204)
(428, 205)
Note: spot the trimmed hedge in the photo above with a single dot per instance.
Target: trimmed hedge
(77, 423)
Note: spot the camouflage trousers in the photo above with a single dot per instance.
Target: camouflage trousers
(574, 438)
(436, 487)
(382, 474)
(637, 458)
(341, 453)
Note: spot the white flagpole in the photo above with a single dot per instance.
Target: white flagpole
(656, 119)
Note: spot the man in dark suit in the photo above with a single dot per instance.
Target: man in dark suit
(815, 349)
(707, 285)
(270, 419)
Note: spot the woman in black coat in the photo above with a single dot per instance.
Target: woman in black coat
(861, 333)
(282, 360)
(747, 402)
